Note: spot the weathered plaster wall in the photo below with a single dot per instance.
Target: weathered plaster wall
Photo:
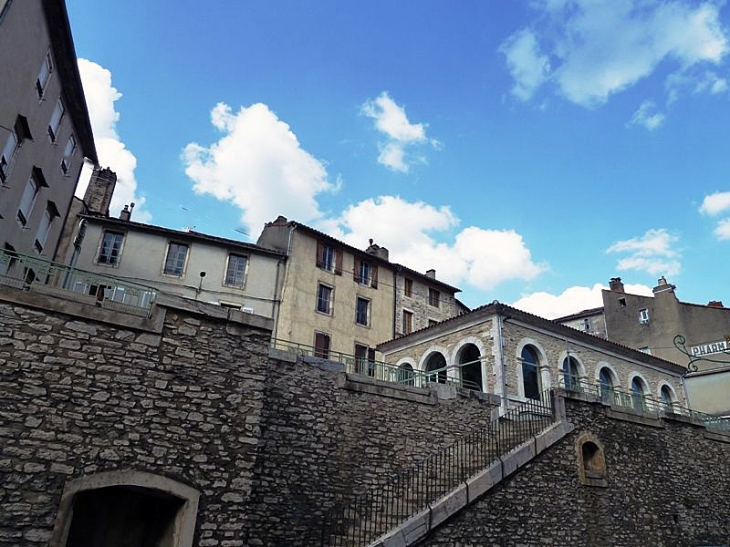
(667, 487)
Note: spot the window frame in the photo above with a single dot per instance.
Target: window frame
(409, 324)
(322, 350)
(7, 155)
(27, 201)
(47, 69)
(44, 228)
(173, 272)
(329, 258)
(408, 287)
(434, 297)
(644, 316)
(117, 257)
(54, 123)
(67, 155)
(358, 312)
(329, 300)
(235, 279)
(531, 367)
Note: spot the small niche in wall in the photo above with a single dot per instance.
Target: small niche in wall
(591, 461)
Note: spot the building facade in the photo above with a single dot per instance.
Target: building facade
(518, 356)
(45, 132)
(337, 298)
(195, 266)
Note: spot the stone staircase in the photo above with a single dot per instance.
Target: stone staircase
(419, 498)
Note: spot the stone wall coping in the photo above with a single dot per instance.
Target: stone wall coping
(154, 323)
(365, 384)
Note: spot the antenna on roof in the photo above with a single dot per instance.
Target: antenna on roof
(243, 232)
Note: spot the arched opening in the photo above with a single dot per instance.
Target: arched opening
(471, 371)
(571, 374)
(404, 375)
(436, 368)
(638, 393)
(119, 516)
(667, 397)
(606, 384)
(594, 464)
(126, 509)
(530, 373)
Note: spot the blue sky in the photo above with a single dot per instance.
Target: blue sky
(528, 151)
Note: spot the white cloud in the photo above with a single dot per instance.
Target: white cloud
(529, 68)
(716, 203)
(645, 116)
(392, 122)
(112, 152)
(482, 258)
(259, 166)
(722, 230)
(598, 48)
(651, 253)
(571, 300)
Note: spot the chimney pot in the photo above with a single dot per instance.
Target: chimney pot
(615, 284)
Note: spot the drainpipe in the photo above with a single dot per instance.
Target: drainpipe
(395, 299)
(279, 297)
(503, 379)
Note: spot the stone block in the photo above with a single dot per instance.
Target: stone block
(484, 481)
(518, 457)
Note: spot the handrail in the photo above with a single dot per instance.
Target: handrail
(384, 507)
(641, 402)
(34, 274)
(381, 370)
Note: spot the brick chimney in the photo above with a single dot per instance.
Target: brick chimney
(431, 273)
(377, 250)
(100, 190)
(663, 286)
(615, 284)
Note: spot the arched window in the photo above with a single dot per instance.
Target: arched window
(667, 397)
(530, 373)
(436, 368)
(471, 371)
(592, 463)
(404, 375)
(571, 374)
(638, 393)
(606, 384)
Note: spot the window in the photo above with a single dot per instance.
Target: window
(571, 374)
(49, 214)
(55, 121)
(622, 302)
(175, 261)
(111, 248)
(404, 375)
(28, 199)
(433, 297)
(667, 398)
(530, 378)
(44, 75)
(605, 384)
(321, 345)
(592, 470)
(67, 153)
(644, 316)
(11, 145)
(324, 299)
(408, 287)
(236, 270)
(3, 5)
(587, 326)
(366, 273)
(638, 391)
(364, 360)
(362, 311)
(407, 322)
(329, 258)
(436, 368)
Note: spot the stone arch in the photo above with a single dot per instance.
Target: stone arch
(432, 360)
(471, 350)
(607, 380)
(103, 496)
(591, 460)
(532, 380)
(405, 372)
(639, 390)
(667, 396)
(575, 375)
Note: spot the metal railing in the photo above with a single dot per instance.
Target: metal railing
(641, 402)
(30, 273)
(380, 370)
(367, 517)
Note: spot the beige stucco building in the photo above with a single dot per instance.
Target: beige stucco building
(338, 298)
(45, 132)
(196, 266)
(518, 356)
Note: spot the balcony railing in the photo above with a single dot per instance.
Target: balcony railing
(641, 402)
(30, 273)
(380, 370)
